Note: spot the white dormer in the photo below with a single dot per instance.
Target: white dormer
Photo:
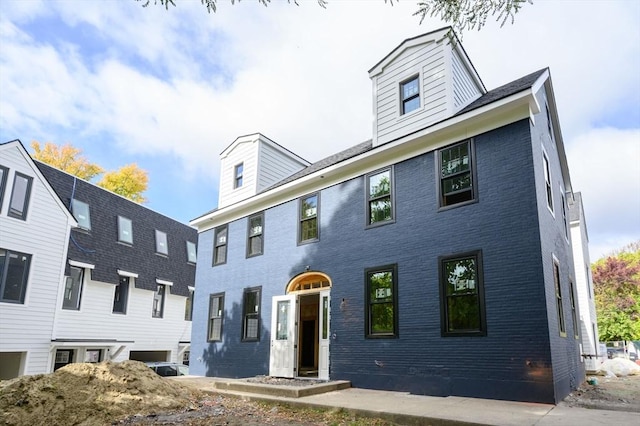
(422, 81)
(251, 164)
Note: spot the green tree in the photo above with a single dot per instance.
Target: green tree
(616, 284)
(462, 15)
(130, 181)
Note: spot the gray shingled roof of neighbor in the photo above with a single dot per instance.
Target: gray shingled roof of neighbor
(491, 96)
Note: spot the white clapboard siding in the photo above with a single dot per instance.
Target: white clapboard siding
(95, 320)
(274, 165)
(427, 61)
(465, 89)
(28, 327)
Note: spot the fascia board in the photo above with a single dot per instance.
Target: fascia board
(475, 122)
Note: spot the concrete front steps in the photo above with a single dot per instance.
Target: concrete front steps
(287, 391)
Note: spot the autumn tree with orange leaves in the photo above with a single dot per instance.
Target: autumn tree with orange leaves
(130, 181)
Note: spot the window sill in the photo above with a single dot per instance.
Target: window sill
(460, 204)
(124, 243)
(302, 243)
(379, 224)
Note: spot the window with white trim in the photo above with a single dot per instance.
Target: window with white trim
(238, 175)
(410, 95)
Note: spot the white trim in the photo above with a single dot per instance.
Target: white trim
(81, 264)
(163, 282)
(127, 274)
(191, 288)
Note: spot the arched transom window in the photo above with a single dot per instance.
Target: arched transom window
(309, 281)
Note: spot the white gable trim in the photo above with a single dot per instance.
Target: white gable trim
(127, 274)
(259, 137)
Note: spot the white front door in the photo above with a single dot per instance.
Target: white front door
(324, 335)
(284, 336)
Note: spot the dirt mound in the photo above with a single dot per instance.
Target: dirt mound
(89, 394)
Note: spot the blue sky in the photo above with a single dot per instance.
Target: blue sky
(169, 90)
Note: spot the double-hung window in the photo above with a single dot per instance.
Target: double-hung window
(4, 172)
(188, 306)
(80, 211)
(308, 218)
(125, 230)
(120, 296)
(220, 246)
(380, 197)
(162, 247)
(462, 295)
(20, 194)
(255, 242)
(381, 320)
(547, 180)
(559, 308)
(238, 175)
(158, 301)
(216, 315)
(574, 313)
(456, 174)
(565, 219)
(73, 288)
(14, 275)
(410, 94)
(251, 314)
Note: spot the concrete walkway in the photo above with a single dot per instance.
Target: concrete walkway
(407, 409)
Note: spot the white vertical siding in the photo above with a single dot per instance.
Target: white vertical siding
(246, 153)
(465, 89)
(28, 327)
(273, 166)
(427, 60)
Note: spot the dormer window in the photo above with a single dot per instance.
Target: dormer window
(238, 170)
(80, 211)
(410, 94)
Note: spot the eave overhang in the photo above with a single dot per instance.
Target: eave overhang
(504, 111)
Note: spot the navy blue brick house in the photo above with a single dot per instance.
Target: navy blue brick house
(434, 258)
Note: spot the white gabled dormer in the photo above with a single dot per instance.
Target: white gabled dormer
(251, 164)
(424, 80)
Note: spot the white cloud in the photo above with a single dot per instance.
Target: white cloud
(183, 83)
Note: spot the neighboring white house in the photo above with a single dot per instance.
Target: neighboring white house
(34, 233)
(584, 285)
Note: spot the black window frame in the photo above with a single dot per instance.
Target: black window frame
(76, 207)
(220, 247)
(405, 100)
(238, 175)
(549, 121)
(20, 214)
(565, 219)
(3, 182)
(4, 270)
(562, 326)
(121, 295)
(72, 294)
(445, 317)
(155, 312)
(370, 304)
(255, 314)
(211, 319)
(124, 219)
(546, 169)
(188, 306)
(370, 199)
(166, 243)
(252, 235)
(574, 310)
(444, 202)
(302, 219)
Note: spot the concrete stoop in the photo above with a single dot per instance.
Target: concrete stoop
(280, 390)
